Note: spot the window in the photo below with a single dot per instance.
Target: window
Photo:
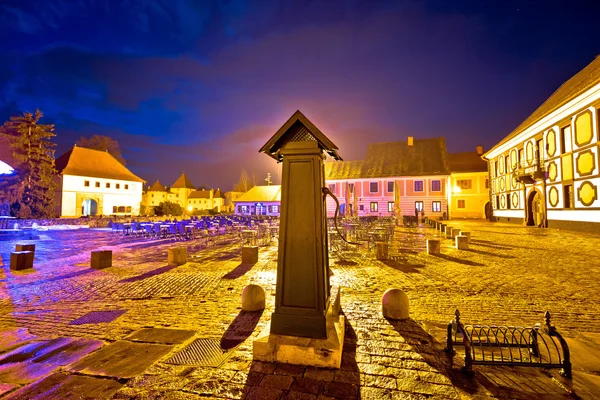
(374, 187)
(565, 139)
(121, 209)
(351, 187)
(107, 185)
(152, 194)
(390, 187)
(275, 209)
(390, 206)
(464, 183)
(506, 164)
(374, 206)
(495, 168)
(361, 207)
(436, 186)
(568, 196)
(460, 204)
(419, 205)
(436, 206)
(487, 183)
(114, 209)
(97, 184)
(128, 209)
(332, 187)
(418, 186)
(118, 186)
(126, 187)
(86, 183)
(243, 209)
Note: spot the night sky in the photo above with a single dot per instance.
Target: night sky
(199, 86)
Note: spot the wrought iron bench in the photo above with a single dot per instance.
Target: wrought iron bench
(537, 346)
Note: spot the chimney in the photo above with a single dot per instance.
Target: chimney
(479, 149)
(410, 140)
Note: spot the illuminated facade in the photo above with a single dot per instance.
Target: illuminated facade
(469, 193)
(545, 173)
(94, 183)
(260, 200)
(394, 179)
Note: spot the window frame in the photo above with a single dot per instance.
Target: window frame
(439, 182)
(86, 183)
(390, 206)
(464, 203)
(421, 185)
(371, 187)
(419, 205)
(374, 206)
(388, 186)
(433, 208)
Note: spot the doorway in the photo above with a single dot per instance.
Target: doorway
(535, 209)
(89, 207)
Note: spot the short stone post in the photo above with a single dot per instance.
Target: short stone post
(449, 232)
(177, 256)
(249, 254)
(433, 246)
(467, 234)
(442, 228)
(455, 232)
(382, 251)
(394, 304)
(26, 247)
(462, 242)
(253, 298)
(20, 260)
(101, 259)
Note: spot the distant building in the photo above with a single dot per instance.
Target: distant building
(546, 172)
(93, 182)
(230, 198)
(394, 179)
(469, 192)
(184, 193)
(260, 200)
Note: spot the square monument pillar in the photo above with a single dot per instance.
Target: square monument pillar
(101, 259)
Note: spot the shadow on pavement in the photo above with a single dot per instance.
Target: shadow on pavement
(403, 266)
(239, 271)
(458, 260)
(240, 328)
(488, 253)
(149, 274)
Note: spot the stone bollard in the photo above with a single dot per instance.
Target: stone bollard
(20, 260)
(449, 232)
(382, 251)
(455, 232)
(101, 259)
(442, 228)
(26, 247)
(433, 246)
(462, 242)
(249, 254)
(177, 256)
(467, 234)
(394, 304)
(253, 298)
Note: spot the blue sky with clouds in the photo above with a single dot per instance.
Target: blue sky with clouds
(199, 86)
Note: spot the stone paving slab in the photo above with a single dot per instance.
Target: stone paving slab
(11, 338)
(64, 386)
(122, 359)
(36, 360)
(161, 335)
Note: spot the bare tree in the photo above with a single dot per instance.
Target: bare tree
(244, 183)
(103, 143)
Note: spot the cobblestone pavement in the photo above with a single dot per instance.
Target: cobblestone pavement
(510, 275)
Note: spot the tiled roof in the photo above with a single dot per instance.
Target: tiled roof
(424, 157)
(576, 85)
(183, 182)
(260, 194)
(157, 187)
(343, 169)
(199, 194)
(80, 161)
(467, 162)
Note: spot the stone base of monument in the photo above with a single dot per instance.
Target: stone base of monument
(249, 254)
(101, 259)
(25, 247)
(324, 353)
(176, 256)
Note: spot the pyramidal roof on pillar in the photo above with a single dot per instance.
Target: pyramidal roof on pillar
(183, 182)
(298, 129)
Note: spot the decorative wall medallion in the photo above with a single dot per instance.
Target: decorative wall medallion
(583, 128)
(515, 200)
(551, 143)
(515, 182)
(502, 184)
(585, 162)
(503, 201)
(553, 196)
(529, 151)
(587, 193)
(552, 171)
